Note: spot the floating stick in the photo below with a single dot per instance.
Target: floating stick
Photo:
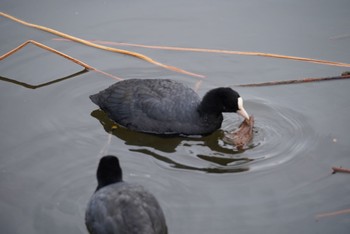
(340, 169)
(46, 48)
(111, 49)
(342, 36)
(319, 61)
(86, 66)
(334, 213)
(345, 75)
(284, 82)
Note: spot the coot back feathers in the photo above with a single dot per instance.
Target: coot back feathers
(163, 106)
(118, 207)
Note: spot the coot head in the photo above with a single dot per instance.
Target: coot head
(221, 100)
(108, 171)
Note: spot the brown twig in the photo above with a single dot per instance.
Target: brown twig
(111, 49)
(334, 213)
(284, 82)
(197, 85)
(342, 36)
(86, 66)
(46, 48)
(340, 169)
(279, 56)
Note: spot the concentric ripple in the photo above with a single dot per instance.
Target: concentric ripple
(280, 134)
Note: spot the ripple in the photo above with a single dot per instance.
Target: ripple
(280, 134)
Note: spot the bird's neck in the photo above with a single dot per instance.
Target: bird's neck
(211, 103)
(209, 107)
(107, 181)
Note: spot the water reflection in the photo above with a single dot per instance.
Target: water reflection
(166, 148)
(279, 135)
(162, 143)
(30, 86)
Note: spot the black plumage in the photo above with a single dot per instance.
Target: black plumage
(118, 207)
(166, 107)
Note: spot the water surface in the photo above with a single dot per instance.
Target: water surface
(52, 135)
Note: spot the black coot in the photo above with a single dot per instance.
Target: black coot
(167, 107)
(118, 207)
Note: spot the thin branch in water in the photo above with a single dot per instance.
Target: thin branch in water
(85, 65)
(340, 169)
(342, 36)
(88, 67)
(197, 85)
(111, 49)
(105, 147)
(285, 82)
(107, 74)
(334, 213)
(279, 56)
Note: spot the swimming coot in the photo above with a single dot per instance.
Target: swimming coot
(167, 107)
(118, 207)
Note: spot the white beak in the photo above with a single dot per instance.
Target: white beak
(241, 111)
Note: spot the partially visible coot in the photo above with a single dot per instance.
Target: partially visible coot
(162, 106)
(118, 207)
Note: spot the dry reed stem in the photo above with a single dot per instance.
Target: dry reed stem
(318, 61)
(284, 82)
(342, 36)
(270, 83)
(86, 66)
(334, 213)
(105, 147)
(340, 169)
(46, 48)
(111, 49)
(197, 85)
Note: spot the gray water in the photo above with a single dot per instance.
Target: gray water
(52, 135)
